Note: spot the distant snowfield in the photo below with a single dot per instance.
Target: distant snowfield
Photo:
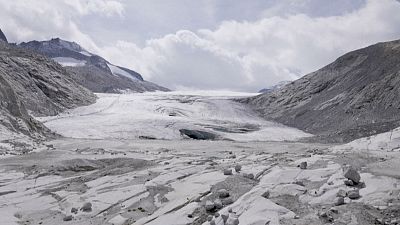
(161, 115)
(67, 61)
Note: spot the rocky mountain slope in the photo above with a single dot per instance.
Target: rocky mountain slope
(2, 36)
(90, 70)
(274, 87)
(355, 96)
(32, 84)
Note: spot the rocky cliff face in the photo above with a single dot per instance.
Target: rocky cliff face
(33, 83)
(90, 70)
(355, 96)
(3, 37)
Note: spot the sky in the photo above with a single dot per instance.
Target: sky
(236, 45)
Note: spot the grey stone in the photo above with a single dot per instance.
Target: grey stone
(341, 193)
(223, 193)
(339, 201)
(352, 175)
(209, 205)
(303, 165)
(74, 210)
(228, 171)
(227, 201)
(354, 194)
(218, 204)
(238, 168)
(87, 207)
(248, 175)
(266, 194)
(68, 218)
(349, 182)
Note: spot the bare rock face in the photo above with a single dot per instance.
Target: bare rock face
(353, 97)
(42, 85)
(91, 70)
(34, 84)
(3, 37)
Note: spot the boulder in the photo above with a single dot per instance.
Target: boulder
(209, 206)
(352, 174)
(228, 172)
(68, 218)
(339, 201)
(238, 168)
(223, 193)
(87, 207)
(353, 194)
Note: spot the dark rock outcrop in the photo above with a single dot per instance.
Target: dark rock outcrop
(355, 96)
(90, 70)
(3, 37)
(198, 134)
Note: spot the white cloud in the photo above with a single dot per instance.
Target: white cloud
(238, 55)
(24, 20)
(252, 55)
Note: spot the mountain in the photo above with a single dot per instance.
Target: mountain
(355, 96)
(90, 70)
(3, 37)
(32, 84)
(275, 87)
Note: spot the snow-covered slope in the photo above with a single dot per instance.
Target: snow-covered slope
(163, 115)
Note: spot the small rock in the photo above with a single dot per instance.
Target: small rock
(341, 193)
(238, 168)
(339, 201)
(330, 183)
(223, 193)
(352, 175)
(190, 216)
(248, 175)
(323, 214)
(209, 206)
(224, 217)
(230, 210)
(218, 204)
(216, 214)
(299, 182)
(334, 210)
(266, 194)
(87, 207)
(74, 210)
(303, 165)
(227, 201)
(209, 218)
(349, 182)
(212, 222)
(67, 218)
(228, 172)
(232, 220)
(296, 217)
(353, 194)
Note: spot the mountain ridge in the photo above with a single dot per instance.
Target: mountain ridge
(88, 68)
(353, 97)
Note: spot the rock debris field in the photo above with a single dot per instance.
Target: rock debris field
(194, 158)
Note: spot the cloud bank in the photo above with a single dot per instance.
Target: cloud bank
(235, 55)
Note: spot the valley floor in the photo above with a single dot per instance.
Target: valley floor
(123, 160)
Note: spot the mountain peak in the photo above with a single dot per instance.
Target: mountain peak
(2, 36)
